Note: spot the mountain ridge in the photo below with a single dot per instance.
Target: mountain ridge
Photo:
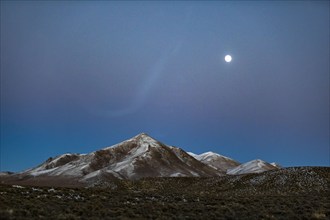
(135, 158)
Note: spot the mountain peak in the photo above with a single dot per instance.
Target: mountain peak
(144, 138)
(141, 135)
(253, 166)
(276, 165)
(209, 153)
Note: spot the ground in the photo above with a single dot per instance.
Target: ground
(256, 196)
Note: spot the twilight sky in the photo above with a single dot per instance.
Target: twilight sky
(80, 76)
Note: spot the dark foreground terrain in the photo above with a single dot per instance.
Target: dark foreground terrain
(293, 193)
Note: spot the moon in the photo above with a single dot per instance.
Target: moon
(228, 58)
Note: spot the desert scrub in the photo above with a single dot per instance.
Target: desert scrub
(233, 197)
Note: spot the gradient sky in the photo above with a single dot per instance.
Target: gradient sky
(80, 76)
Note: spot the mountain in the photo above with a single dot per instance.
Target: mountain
(253, 166)
(6, 173)
(216, 161)
(138, 157)
(276, 165)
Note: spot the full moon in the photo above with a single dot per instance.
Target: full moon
(228, 58)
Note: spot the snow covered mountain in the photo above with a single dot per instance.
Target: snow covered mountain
(138, 157)
(216, 161)
(253, 166)
(276, 165)
(135, 158)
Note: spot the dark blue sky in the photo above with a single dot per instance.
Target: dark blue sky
(79, 76)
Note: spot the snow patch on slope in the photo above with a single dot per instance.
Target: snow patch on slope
(254, 166)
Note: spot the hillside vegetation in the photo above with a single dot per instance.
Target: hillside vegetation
(293, 193)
